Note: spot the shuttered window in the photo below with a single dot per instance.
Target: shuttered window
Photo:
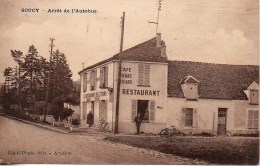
(93, 79)
(103, 110)
(253, 119)
(84, 110)
(189, 117)
(253, 97)
(134, 109)
(104, 77)
(144, 74)
(152, 110)
(84, 82)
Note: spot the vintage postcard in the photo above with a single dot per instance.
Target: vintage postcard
(129, 82)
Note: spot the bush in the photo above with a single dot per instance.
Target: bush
(75, 121)
(63, 114)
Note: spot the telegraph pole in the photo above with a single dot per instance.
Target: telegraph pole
(48, 84)
(119, 74)
(19, 88)
(158, 14)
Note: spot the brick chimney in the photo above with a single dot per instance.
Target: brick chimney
(163, 49)
(158, 40)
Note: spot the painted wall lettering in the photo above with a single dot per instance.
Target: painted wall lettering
(140, 92)
(126, 75)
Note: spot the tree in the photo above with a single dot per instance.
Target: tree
(61, 82)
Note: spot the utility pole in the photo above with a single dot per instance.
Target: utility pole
(48, 84)
(158, 14)
(119, 74)
(19, 88)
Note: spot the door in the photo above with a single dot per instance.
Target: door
(222, 121)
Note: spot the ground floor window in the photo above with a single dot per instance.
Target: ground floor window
(103, 110)
(84, 110)
(189, 117)
(146, 108)
(253, 119)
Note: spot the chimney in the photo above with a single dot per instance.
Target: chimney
(163, 49)
(158, 40)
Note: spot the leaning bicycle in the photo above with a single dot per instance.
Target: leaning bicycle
(102, 125)
(170, 131)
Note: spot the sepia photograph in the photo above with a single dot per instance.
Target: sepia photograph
(151, 82)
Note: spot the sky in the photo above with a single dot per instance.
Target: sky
(214, 31)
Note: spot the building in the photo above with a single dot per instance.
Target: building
(195, 97)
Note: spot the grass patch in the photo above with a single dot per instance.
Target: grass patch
(215, 150)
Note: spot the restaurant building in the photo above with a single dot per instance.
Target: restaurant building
(193, 96)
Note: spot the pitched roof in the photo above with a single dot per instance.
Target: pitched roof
(146, 51)
(216, 81)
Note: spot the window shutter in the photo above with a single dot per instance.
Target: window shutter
(195, 120)
(250, 119)
(95, 79)
(140, 74)
(183, 115)
(147, 75)
(152, 110)
(106, 76)
(84, 110)
(84, 82)
(134, 109)
(91, 79)
(101, 77)
(100, 110)
(105, 110)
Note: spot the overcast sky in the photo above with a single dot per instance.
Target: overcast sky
(216, 31)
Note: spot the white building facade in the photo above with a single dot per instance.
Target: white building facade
(188, 95)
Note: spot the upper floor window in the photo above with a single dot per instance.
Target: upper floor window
(144, 74)
(104, 77)
(93, 79)
(84, 82)
(189, 86)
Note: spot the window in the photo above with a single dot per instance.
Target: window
(103, 109)
(253, 99)
(189, 117)
(103, 77)
(84, 110)
(253, 119)
(145, 107)
(144, 74)
(93, 78)
(84, 82)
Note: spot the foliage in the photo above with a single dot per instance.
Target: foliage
(75, 121)
(63, 114)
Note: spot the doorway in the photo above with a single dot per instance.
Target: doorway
(93, 108)
(142, 108)
(222, 121)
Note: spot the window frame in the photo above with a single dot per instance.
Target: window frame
(255, 118)
(189, 121)
(143, 80)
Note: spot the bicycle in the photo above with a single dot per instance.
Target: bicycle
(170, 131)
(216, 134)
(102, 125)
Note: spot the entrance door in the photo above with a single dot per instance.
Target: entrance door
(142, 108)
(222, 121)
